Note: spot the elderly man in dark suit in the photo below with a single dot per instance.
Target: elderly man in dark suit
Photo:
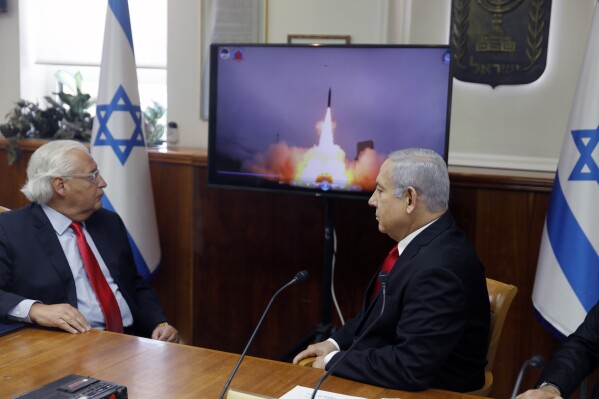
(434, 330)
(65, 261)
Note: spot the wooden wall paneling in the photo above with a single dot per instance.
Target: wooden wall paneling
(298, 245)
(505, 224)
(229, 264)
(12, 179)
(361, 249)
(500, 238)
(172, 185)
(252, 244)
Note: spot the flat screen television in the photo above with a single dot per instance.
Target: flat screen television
(320, 120)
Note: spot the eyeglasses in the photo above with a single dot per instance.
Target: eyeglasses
(91, 177)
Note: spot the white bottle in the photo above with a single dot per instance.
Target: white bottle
(172, 133)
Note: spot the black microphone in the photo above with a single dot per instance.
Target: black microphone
(383, 277)
(299, 277)
(536, 361)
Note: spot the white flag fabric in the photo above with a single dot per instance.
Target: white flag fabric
(118, 144)
(567, 279)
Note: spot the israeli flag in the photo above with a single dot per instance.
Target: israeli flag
(118, 144)
(567, 280)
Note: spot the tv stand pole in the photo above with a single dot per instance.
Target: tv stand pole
(324, 328)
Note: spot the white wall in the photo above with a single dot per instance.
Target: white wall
(184, 71)
(522, 126)
(9, 58)
(364, 21)
(515, 126)
(509, 126)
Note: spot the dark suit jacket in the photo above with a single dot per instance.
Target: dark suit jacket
(33, 264)
(434, 331)
(576, 358)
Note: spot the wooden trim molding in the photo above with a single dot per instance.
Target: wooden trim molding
(459, 175)
(505, 179)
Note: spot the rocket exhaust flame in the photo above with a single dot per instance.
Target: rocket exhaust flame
(326, 132)
(326, 161)
(323, 165)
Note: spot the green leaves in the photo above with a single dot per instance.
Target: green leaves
(154, 130)
(64, 118)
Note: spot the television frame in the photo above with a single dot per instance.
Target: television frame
(268, 186)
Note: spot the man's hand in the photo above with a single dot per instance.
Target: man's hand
(320, 350)
(62, 316)
(547, 392)
(165, 332)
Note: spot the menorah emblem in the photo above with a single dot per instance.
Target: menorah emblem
(497, 40)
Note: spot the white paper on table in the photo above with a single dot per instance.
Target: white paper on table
(306, 393)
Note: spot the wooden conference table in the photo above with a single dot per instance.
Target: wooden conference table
(151, 369)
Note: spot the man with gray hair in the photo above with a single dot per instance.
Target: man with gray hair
(66, 262)
(433, 331)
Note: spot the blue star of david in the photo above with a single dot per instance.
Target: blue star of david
(586, 168)
(121, 147)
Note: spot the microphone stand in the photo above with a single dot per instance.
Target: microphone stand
(301, 276)
(383, 276)
(536, 361)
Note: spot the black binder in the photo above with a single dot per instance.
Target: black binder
(76, 386)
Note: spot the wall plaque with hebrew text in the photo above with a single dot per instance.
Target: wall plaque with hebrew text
(500, 42)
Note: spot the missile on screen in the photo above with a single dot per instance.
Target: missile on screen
(329, 104)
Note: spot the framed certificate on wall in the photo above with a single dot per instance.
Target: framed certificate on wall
(319, 39)
(228, 21)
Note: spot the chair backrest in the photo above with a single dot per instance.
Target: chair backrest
(3, 209)
(501, 296)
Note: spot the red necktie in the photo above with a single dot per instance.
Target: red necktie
(108, 303)
(387, 266)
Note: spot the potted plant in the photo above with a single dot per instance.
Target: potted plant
(65, 117)
(154, 130)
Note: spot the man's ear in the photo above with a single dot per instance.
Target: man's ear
(411, 197)
(58, 185)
